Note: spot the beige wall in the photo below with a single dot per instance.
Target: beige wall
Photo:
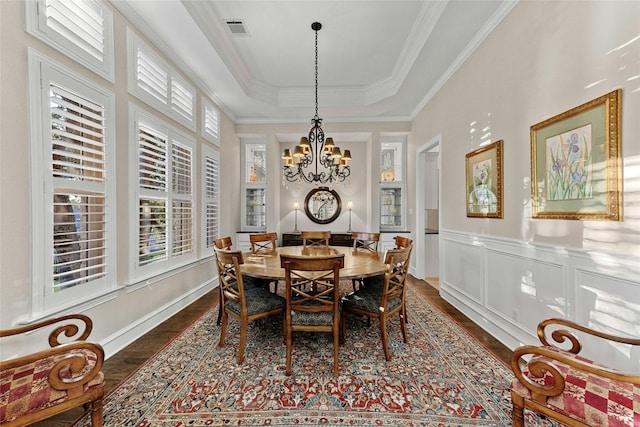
(543, 59)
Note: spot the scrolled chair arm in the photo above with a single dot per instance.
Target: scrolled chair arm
(79, 363)
(69, 330)
(561, 335)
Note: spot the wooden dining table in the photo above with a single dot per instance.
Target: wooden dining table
(357, 264)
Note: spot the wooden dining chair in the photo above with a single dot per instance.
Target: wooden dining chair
(366, 243)
(245, 305)
(315, 238)
(222, 243)
(403, 242)
(384, 301)
(265, 244)
(317, 310)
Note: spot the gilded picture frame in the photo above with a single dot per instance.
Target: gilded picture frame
(576, 170)
(484, 181)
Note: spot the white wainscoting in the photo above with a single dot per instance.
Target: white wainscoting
(507, 287)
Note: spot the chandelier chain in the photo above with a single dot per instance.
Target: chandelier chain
(316, 73)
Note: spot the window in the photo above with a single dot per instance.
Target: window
(73, 149)
(164, 197)
(81, 29)
(254, 185)
(211, 198)
(155, 82)
(210, 123)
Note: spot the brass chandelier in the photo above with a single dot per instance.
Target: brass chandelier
(313, 151)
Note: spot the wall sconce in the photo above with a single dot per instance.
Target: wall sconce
(349, 208)
(296, 207)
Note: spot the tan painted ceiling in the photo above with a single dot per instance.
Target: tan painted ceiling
(377, 59)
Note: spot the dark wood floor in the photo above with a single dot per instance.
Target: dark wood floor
(119, 366)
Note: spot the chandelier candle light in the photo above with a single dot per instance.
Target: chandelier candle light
(315, 151)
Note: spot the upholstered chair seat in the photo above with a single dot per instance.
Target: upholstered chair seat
(554, 380)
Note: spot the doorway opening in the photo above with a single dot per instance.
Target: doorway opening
(427, 240)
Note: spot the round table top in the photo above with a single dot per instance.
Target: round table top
(356, 264)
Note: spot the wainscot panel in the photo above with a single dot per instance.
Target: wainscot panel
(464, 271)
(507, 287)
(525, 289)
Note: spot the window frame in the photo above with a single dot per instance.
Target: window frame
(43, 71)
(139, 275)
(36, 25)
(134, 44)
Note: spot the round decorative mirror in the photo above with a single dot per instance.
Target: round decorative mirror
(322, 205)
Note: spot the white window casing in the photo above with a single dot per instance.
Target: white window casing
(81, 29)
(162, 180)
(73, 155)
(155, 82)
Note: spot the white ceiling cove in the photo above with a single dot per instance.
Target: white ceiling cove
(377, 59)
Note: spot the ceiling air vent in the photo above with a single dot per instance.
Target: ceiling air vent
(236, 27)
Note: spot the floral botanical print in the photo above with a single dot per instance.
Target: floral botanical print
(569, 173)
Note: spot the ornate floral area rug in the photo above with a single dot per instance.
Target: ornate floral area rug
(442, 377)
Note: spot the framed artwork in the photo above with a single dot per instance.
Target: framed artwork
(484, 181)
(576, 163)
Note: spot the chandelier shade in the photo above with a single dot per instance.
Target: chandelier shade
(314, 159)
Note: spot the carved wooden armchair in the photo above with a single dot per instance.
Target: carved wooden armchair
(42, 384)
(569, 388)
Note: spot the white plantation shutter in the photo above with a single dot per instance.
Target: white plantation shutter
(155, 82)
(181, 169)
(152, 240)
(182, 225)
(152, 174)
(164, 194)
(79, 200)
(182, 96)
(79, 21)
(211, 182)
(82, 29)
(77, 129)
(182, 215)
(211, 123)
(151, 76)
(152, 158)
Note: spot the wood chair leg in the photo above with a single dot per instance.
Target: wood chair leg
(220, 308)
(336, 357)
(403, 325)
(243, 341)
(223, 329)
(97, 416)
(385, 337)
(289, 344)
(517, 411)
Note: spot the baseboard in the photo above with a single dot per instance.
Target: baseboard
(125, 336)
